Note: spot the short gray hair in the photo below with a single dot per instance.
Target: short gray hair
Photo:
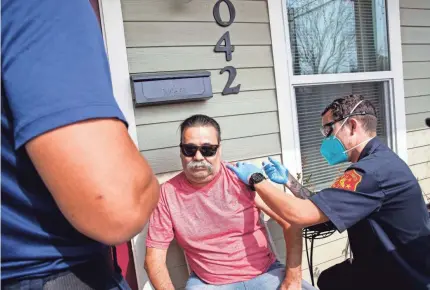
(200, 121)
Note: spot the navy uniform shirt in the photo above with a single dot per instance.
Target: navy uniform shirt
(54, 72)
(379, 185)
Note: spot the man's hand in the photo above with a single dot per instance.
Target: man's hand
(244, 170)
(276, 171)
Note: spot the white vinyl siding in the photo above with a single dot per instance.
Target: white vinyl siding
(415, 28)
(165, 36)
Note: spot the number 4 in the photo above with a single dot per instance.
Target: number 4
(227, 47)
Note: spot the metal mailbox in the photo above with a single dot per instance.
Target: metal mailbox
(175, 87)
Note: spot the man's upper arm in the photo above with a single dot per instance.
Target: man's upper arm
(160, 228)
(57, 84)
(351, 198)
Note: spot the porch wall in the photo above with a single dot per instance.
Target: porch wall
(415, 29)
(172, 35)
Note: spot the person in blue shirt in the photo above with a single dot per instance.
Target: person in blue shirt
(72, 180)
(377, 185)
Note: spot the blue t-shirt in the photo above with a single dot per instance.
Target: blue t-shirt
(54, 72)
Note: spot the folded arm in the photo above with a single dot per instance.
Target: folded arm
(96, 175)
(59, 92)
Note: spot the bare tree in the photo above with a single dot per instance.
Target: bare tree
(323, 36)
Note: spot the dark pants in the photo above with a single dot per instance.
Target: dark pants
(359, 277)
(97, 274)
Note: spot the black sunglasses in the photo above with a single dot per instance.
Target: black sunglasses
(190, 150)
(327, 129)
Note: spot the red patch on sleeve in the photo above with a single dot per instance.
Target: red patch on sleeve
(348, 181)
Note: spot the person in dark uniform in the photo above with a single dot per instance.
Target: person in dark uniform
(377, 184)
(72, 180)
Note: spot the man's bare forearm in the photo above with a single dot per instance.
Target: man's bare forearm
(297, 189)
(159, 276)
(293, 242)
(295, 211)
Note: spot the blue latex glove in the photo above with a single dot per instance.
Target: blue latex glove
(244, 170)
(276, 171)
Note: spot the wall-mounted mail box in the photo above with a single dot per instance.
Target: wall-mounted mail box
(175, 87)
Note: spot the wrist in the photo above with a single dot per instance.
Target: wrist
(255, 179)
(290, 178)
(291, 278)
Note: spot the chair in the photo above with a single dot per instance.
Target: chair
(419, 280)
(269, 236)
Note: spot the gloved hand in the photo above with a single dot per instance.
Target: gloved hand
(276, 171)
(244, 170)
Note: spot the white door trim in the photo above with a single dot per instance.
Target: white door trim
(396, 62)
(113, 32)
(287, 114)
(114, 37)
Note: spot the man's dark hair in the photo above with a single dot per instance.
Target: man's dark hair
(341, 107)
(200, 121)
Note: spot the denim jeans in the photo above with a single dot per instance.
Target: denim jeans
(270, 280)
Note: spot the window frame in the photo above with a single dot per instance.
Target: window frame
(286, 82)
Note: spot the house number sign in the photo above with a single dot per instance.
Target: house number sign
(224, 45)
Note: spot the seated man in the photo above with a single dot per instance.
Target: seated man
(215, 219)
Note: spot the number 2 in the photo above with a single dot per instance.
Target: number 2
(231, 76)
(227, 47)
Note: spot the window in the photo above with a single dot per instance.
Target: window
(338, 36)
(336, 48)
(311, 101)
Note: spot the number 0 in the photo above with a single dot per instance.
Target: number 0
(231, 76)
(231, 11)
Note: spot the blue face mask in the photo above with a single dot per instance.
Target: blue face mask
(333, 150)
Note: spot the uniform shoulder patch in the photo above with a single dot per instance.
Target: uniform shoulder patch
(348, 181)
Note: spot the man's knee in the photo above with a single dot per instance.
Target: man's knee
(334, 277)
(325, 279)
